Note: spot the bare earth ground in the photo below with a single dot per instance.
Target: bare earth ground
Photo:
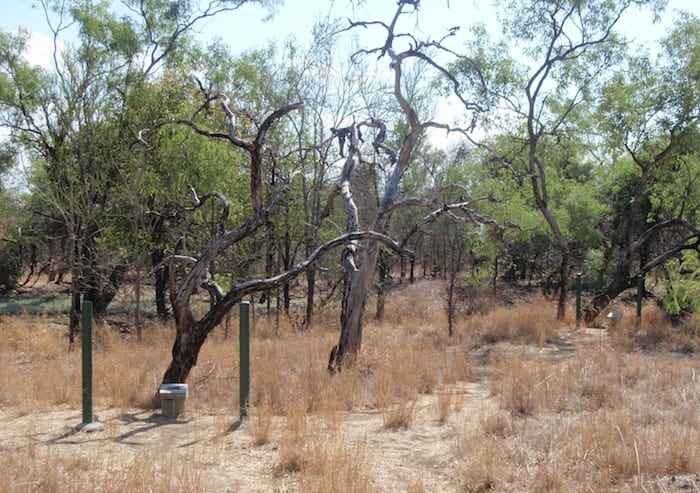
(395, 458)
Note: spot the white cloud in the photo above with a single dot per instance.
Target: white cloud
(41, 48)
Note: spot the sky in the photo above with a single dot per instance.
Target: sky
(245, 28)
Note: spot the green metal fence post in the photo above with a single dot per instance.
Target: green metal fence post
(578, 300)
(244, 349)
(86, 335)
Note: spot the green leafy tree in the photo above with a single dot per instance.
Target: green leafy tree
(543, 78)
(10, 226)
(73, 119)
(683, 284)
(653, 108)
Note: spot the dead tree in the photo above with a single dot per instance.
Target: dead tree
(360, 273)
(192, 332)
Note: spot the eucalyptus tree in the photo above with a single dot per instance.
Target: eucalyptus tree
(650, 115)
(540, 80)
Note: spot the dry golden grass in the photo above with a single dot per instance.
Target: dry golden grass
(486, 465)
(595, 420)
(444, 406)
(526, 323)
(43, 373)
(567, 412)
(262, 416)
(331, 464)
(77, 472)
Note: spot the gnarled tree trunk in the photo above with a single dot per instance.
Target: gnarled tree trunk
(190, 332)
(360, 276)
(602, 298)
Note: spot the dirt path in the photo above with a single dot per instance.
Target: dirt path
(219, 451)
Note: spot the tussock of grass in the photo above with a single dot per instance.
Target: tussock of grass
(486, 466)
(444, 406)
(498, 424)
(525, 323)
(262, 416)
(76, 473)
(399, 415)
(324, 462)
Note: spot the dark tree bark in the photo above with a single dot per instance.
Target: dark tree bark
(625, 277)
(102, 291)
(310, 294)
(190, 332)
(619, 283)
(161, 284)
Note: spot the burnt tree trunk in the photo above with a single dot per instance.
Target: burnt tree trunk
(310, 294)
(188, 341)
(360, 277)
(160, 275)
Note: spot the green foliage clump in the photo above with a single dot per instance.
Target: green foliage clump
(10, 266)
(683, 285)
(595, 268)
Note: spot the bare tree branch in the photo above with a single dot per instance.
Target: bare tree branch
(214, 317)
